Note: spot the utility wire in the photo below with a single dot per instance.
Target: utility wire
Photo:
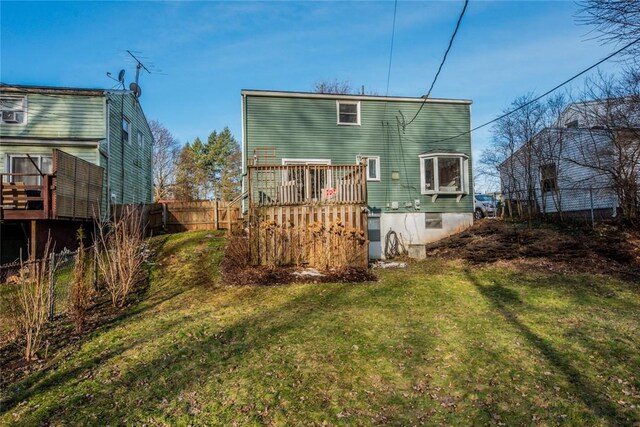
(543, 95)
(393, 32)
(444, 58)
(384, 114)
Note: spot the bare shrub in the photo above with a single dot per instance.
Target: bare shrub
(81, 285)
(120, 254)
(28, 304)
(236, 254)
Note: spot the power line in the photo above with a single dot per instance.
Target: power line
(544, 94)
(444, 58)
(393, 32)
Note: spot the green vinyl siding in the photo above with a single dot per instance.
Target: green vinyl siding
(130, 167)
(60, 116)
(307, 128)
(77, 124)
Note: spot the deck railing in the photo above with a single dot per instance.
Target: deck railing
(20, 199)
(291, 185)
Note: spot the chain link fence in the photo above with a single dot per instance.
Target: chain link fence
(590, 205)
(60, 272)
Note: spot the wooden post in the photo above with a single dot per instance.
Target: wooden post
(46, 203)
(52, 284)
(165, 215)
(33, 245)
(216, 224)
(593, 220)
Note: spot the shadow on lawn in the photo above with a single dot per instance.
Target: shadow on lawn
(102, 319)
(503, 301)
(180, 364)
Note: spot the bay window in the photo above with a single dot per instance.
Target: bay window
(444, 173)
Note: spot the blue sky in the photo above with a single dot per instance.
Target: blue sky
(210, 51)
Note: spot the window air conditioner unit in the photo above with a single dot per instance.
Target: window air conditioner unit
(10, 117)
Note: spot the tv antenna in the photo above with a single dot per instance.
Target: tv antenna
(135, 86)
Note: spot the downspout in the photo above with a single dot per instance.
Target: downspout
(244, 145)
(122, 147)
(108, 133)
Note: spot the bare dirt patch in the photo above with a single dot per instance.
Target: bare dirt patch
(609, 249)
(269, 276)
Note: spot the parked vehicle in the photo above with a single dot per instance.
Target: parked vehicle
(485, 206)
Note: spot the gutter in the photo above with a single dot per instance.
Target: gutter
(244, 142)
(108, 124)
(284, 94)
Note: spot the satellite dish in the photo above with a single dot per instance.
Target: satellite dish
(121, 76)
(135, 88)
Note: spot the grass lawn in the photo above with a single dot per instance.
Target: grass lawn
(438, 343)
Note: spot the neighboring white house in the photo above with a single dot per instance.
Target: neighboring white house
(563, 168)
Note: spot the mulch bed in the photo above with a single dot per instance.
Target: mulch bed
(609, 249)
(269, 276)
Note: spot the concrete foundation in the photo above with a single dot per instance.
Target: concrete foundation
(413, 228)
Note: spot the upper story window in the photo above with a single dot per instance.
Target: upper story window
(13, 109)
(348, 112)
(444, 173)
(140, 139)
(126, 130)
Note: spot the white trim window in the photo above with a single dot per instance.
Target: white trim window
(305, 183)
(13, 110)
(549, 178)
(126, 130)
(139, 148)
(21, 164)
(348, 113)
(444, 173)
(373, 167)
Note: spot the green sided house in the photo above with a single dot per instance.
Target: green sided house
(419, 184)
(67, 154)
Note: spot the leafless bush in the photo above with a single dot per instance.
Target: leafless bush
(120, 254)
(236, 254)
(28, 304)
(81, 286)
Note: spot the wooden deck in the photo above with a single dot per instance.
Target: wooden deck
(26, 202)
(73, 191)
(311, 215)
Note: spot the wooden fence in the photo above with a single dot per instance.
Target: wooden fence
(174, 217)
(321, 236)
(78, 184)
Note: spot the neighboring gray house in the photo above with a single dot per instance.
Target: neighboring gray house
(567, 168)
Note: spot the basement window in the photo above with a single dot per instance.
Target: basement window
(432, 220)
(348, 112)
